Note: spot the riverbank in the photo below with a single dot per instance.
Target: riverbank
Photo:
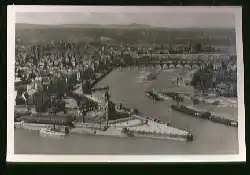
(32, 126)
(218, 106)
(78, 87)
(192, 94)
(136, 126)
(106, 72)
(217, 100)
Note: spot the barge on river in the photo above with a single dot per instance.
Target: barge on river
(205, 115)
(53, 132)
(155, 95)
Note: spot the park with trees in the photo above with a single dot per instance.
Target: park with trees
(222, 79)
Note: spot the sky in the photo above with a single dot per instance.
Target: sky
(180, 20)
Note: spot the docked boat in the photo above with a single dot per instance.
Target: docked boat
(154, 96)
(173, 95)
(225, 121)
(151, 76)
(190, 111)
(53, 132)
(163, 96)
(234, 123)
(18, 124)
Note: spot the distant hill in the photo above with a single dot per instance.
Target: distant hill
(111, 26)
(41, 26)
(135, 33)
(20, 26)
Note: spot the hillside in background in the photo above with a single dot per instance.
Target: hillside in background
(41, 26)
(134, 33)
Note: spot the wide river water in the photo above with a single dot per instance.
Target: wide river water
(128, 89)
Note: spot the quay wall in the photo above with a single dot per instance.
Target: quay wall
(160, 136)
(112, 131)
(117, 132)
(34, 126)
(123, 119)
(137, 128)
(59, 120)
(130, 123)
(120, 124)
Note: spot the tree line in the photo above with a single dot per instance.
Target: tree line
(209, 78)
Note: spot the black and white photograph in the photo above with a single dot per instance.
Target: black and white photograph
(125, 84)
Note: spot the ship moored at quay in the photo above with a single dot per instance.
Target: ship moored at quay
(205, 115)
(156, 95)
(160, 96)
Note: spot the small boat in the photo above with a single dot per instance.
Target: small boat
(151, 75)
(154, 96)
(234, 123)
(18, 124)
(225, 121)
(53, 132)
(162, 96)
(189, 137)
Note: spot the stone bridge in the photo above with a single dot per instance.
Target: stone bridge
(203, 56)
(172, 63)
(177, 60)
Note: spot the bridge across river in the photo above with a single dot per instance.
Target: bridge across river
(172, 63)
(182, 60)
(203, 56)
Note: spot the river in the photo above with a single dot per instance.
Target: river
(126, 88)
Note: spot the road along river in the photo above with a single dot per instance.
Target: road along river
(127, 88)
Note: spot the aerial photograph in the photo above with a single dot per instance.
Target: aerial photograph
(125, 83)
